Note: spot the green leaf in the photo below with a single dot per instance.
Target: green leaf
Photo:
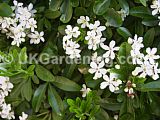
(55, 5)
(149, 37)
(141, 11)
(75, 3)
(150, 22)
(113, 18)
(123, 57)
(124, 32)
(69, 69)
(66, 84)
(55, 100)
(100, 6)
(143, 2)
(151, 86)
(124, 5)
(44, 74)
(27, 90)
(66, 10)
(80, 11)
(5, 10)
(23, 55)
(52, 14)
(38, 97)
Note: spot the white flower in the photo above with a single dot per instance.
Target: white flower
(95, 58)
(85, 90)
(156, 7)
(112, 82)
(137, 57)
(72, 49)
(117, 67)
(36, 37)
(110, 51)
(156, 71)
(97, 28)
(102, 40)
(5, 85)
(31, 10)
(2, 97)
(72, 32)
(6, 112)
(84, 21)
(32, 24)
(145, 69)
(17, 4)
(97, 69)
(116, 117)
(151, 55)
(23, 117)
(136, 42)
(123, 14)
(93, 40)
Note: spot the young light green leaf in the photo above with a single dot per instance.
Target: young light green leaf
(44, 74)
(66, 84)
(38, 97)
(100, 6)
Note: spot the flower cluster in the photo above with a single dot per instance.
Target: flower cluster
(93, 36)
(6, 111)
(129, 89)
(70, 46)
(147, 65)
(5, 88)
(21, 24)
(156, 8)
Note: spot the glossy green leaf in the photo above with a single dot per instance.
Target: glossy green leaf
(66, 84)
(66, 10)
(52, 14)
(141, 11)
(124, 32)
(150, 22)
(44, 74)
(113, 18)
(55, 4)
(5, 10)
(100, 6)
(55, 100)
(38, 97)
(124, 5)
(149, 37)
(151, 86)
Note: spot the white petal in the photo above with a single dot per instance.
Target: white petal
(112, 44)
(111, 88)
(104, 85)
